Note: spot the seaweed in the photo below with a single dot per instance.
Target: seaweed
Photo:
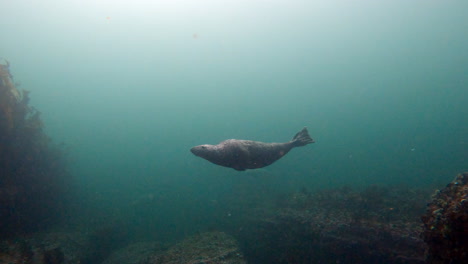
(33, 177)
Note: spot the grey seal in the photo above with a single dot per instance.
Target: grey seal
(247, 154)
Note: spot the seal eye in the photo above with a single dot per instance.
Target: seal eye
(203, 147)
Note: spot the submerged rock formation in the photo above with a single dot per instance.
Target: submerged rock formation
(135, 253)
(44, 248)
(207, 248)
(446, 223)
(75, 248)
(34, 182)
(377, 225)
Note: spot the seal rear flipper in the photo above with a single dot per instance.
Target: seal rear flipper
(302, 138)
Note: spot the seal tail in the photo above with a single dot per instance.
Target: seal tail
(302, 138)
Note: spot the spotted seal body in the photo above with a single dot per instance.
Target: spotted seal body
(247, 154)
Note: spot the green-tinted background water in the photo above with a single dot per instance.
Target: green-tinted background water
(131, 86)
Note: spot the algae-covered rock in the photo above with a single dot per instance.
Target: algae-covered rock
(15, 252)
(44, 248)
(137, 253)
(206, 248)
(446, 223)
(34, 180)
(377, 225)
(59, 247)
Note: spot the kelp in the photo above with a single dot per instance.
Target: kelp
(33, 176)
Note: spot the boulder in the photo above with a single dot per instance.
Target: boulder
(446, 223)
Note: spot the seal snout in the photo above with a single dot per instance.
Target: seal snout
(202, 151)
(194, 150)
(198, 150)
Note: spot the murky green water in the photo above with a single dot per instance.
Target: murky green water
(131, 86)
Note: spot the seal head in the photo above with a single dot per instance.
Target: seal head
(204, 151)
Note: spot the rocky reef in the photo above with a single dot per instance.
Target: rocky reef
(33, 178)
(376, 225)
(44, 248)
(74, 248)
(206, 248)
(135, 253)
(446, 223)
